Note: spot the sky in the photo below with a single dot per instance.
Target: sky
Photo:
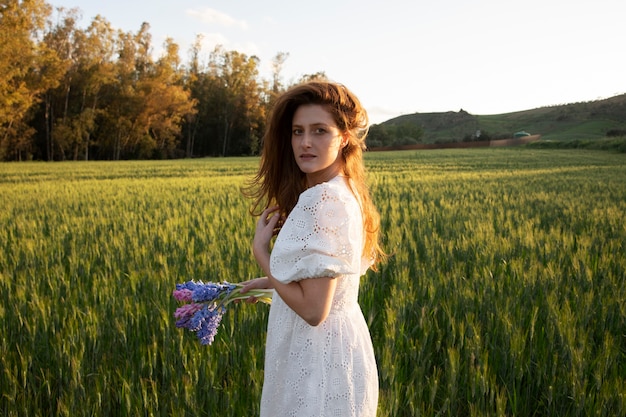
(406, 56)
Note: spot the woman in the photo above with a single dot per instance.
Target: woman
(319, 359)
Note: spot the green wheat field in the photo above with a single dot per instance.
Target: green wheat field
(504, 293)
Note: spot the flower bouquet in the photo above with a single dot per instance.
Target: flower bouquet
(205, 304)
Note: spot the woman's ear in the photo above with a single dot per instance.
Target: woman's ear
(344, 140)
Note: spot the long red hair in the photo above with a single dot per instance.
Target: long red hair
(279, 179)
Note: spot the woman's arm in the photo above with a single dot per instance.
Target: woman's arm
(311, 299)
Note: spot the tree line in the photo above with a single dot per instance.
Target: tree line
(72, 93)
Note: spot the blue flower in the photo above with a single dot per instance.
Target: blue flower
(211, 291)
(202, 311)
(189, 285)
(206, 322)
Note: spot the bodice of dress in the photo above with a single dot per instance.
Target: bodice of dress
(322, 236)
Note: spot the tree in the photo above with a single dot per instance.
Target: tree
(166, 103)
(206, 88)
(318, 76)
(407, 133)
(126, 131)
(148, 104)
(403, 133)
(193, 86)
(277, 66)
(27, 70)
(378, 136)
(229, 96)
(240, 97)
(96, 53)
(59, 38)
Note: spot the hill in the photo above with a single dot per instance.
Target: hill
(584, 120)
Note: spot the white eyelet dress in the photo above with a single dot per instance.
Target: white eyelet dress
(328, 370)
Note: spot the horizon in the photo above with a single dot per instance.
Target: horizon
(507, 113)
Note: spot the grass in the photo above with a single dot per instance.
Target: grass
(505, 293)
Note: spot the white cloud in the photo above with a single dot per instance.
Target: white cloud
(212, 16)
(211, 40)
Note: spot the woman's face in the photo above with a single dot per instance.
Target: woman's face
(316, 142)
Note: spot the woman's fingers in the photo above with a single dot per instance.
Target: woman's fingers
(254, 284)
(272, 219)
(268, 216)
(251, 300)
(269, 224)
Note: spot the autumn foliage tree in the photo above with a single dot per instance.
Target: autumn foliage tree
(77, 93)
(27, 70)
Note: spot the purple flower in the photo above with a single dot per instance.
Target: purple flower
(185, 312)
(205, 304)
(183, 295)
(206, 322)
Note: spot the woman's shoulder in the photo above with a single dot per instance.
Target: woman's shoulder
(337, 189)
(334, 193)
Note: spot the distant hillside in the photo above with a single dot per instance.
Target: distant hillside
(585, 120)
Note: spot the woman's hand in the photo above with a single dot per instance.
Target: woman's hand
(267, 227)
(261, 283)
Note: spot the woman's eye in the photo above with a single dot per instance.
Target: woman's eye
(320, 131)
(297, 132)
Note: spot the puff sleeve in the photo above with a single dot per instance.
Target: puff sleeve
(322, 237)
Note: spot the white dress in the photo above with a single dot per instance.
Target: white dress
(328, 370)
